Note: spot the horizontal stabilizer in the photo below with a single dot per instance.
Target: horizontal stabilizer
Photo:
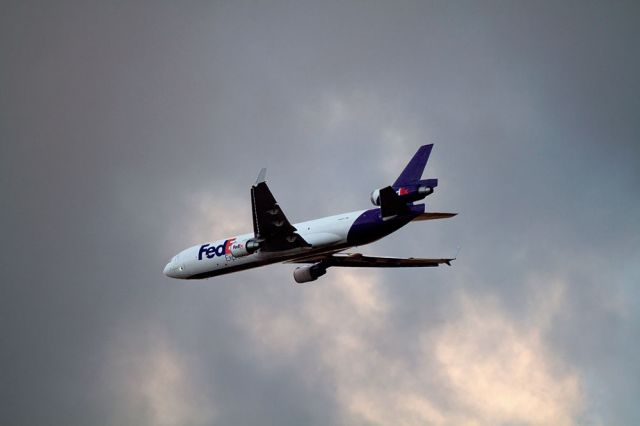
(433, 216)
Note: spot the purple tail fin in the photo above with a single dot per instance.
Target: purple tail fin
(413, 171)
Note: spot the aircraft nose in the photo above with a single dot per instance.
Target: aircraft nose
(172, 270)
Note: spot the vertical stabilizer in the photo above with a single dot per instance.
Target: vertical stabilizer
(413, 171)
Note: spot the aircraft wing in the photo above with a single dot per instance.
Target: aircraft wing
(358, 260)
(270, 226)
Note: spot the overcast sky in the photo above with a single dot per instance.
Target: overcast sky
(131, 130)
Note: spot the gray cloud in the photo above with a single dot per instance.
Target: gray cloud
(130, 131)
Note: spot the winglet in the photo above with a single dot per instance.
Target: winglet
(455, 256)
(261, 176)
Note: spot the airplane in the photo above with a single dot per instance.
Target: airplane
(318, 244)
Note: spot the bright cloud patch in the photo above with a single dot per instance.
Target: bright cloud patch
(501, 373)
(212, 218)
(478, 369)
(157, 385)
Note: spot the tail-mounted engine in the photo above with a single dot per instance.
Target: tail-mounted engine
(409, 193)
(305, 274)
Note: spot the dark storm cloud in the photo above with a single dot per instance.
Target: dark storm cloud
(130, 131)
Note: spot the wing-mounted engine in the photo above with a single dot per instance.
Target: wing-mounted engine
(408, 193)
(244, 247)
(305, 274)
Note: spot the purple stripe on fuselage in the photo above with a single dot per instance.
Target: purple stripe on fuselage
(369, 226)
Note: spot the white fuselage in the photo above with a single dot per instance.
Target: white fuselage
(326, 234)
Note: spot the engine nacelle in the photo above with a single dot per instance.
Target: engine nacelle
(407, 194)
(305, 274)
(375, 197)
(244, 248)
